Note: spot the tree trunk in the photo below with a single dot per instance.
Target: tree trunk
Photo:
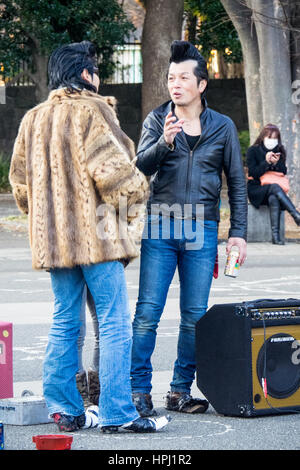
(270, 70)
(275, 68)
(295, 58)
(275, 74)
(40, 72)
(240, 15)
(162, 25)
(40, 77)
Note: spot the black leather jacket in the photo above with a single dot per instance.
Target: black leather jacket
(184, 176)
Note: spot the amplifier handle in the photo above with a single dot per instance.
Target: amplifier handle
(254, 302)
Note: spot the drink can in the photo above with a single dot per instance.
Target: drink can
(232, 265)
(1, 436)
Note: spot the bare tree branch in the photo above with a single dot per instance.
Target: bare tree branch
(284, 24)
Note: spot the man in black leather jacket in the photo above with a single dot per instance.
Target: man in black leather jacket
(184, 156)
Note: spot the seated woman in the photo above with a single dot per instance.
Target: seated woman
(268, 154)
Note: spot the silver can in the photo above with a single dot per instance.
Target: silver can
(1, 436)
(232, 266)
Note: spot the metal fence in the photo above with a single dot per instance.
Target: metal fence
(20, 78)
(128, 60)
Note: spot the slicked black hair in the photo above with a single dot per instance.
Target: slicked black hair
(184, 50)
(67, 63)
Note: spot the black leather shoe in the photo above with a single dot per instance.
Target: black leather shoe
(276, 240)
(185, 403)
(140, 425)
(143, 404)
(67, 423)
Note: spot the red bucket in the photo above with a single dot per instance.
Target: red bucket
(53, 442)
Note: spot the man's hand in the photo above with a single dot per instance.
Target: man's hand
(171, 128)
(242, 246)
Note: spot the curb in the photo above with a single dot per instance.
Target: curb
(6, 197)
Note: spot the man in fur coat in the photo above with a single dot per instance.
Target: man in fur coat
(73, 173)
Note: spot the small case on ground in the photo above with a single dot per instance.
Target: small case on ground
(26, 410)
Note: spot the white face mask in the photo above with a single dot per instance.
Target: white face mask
(270, 143)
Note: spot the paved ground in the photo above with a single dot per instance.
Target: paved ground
(26, 300)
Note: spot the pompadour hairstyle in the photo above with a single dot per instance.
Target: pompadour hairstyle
(184, 50)
(67, 63)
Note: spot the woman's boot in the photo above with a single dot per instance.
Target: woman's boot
(275, 209)
(94, 386)
(82, 386)
(287, 205)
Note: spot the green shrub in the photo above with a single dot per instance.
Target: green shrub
(244, 138)
(4, 171)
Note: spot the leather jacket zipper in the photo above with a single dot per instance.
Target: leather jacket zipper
(189, 171)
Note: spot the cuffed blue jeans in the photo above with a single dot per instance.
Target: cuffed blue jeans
(160, 255)
(106, 282)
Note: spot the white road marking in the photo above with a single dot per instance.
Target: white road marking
(123, 435)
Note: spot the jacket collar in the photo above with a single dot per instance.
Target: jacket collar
(61, 93)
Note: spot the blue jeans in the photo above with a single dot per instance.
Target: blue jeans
(88, 299)
(159, 259)
(106, 282)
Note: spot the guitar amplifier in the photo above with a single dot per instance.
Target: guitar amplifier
(248, 357)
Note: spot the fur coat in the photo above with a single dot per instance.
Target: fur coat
(73, 173)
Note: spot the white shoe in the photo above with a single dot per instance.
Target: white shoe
(91, 417)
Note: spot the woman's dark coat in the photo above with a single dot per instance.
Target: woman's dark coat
(257, 166)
